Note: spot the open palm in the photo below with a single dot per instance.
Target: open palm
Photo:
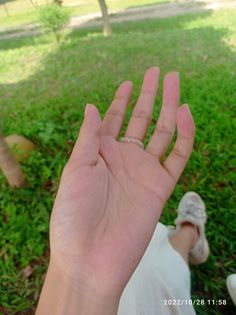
(112, 193)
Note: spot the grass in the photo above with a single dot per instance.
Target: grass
(44, 89)
(22, 12)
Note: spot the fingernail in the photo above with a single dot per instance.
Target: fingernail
(87, 108)
(185, 107)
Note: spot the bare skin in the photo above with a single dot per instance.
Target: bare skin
(110, 199)
(185, 239)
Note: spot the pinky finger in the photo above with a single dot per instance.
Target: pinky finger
(179, 156)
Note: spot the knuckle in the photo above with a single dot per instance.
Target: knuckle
(115, 113)
(180, 153)
(164, 130)
(148, 92)
(120, 98)
(171, 175)
(152, 150)
(141, 114)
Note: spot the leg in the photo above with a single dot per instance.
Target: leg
(185, 239)
(161, 275)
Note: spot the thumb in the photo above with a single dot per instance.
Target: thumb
(86, 149)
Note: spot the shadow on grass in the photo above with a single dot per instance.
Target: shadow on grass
(24, 41)
(48, 108)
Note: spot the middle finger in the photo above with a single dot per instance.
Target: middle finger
(142, 113)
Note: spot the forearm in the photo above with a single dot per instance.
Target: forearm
(60, 297)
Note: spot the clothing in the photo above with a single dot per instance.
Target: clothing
(161, 277)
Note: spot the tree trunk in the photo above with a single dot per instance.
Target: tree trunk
(105, 16)
(6, 9)
(10, 167)
(35, 5)
(57, 35)
(58, 2)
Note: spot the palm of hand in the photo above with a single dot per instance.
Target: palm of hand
(107, 207)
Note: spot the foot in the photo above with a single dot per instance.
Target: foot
(191, 211)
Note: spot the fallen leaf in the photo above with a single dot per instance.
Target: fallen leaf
(27, 272)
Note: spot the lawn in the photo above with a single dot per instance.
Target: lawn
(22, 11)
(43, 92)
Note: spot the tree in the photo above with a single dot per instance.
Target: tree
(9, 166)
(58, 2)
(3, 2)
(105, 16)
(54, 18)
(34, 3)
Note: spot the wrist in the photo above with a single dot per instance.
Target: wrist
(63, 295)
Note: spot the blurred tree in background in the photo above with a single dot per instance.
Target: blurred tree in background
(105, 16)
(54, 18)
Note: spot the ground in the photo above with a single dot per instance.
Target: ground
(22, 11)
(44, 88)
(119, 12)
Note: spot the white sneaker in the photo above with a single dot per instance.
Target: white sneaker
(192, 209)
(231, 286)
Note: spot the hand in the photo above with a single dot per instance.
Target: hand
(112, 193)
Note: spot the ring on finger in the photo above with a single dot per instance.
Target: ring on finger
(132, 140)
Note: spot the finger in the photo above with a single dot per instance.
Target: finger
(142, 113)
(113, 120)
(165, 127)
(86, 149)
(178, 158)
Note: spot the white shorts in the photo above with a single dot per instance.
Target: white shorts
(161, 278)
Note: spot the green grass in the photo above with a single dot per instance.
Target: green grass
(22, 12)
(43, 91)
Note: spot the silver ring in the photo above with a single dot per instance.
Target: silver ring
(132, 140)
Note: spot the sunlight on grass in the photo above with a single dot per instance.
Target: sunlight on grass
(216, 21)
(19, 63)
